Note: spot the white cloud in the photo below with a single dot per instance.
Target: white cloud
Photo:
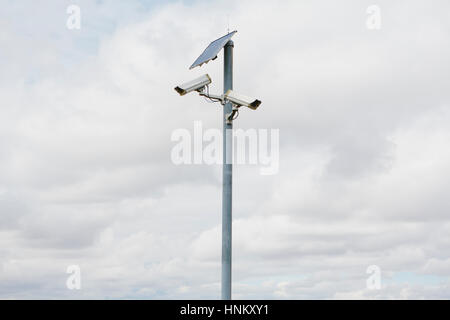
(86, 176)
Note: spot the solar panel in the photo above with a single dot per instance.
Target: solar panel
(212, 50)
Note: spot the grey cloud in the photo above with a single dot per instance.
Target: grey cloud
(86, 176)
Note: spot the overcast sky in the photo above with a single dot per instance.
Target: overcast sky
(86, 176)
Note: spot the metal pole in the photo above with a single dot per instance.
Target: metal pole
(227, 174)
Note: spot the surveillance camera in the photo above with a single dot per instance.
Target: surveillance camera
(242, 100)
(194, 85)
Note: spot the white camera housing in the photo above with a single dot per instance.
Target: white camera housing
(194, 85)
(241, 100)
